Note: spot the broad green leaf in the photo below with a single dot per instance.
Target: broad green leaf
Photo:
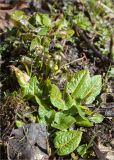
(83, 122)
(93, 90)
(82, 150)
(69, 101)
(34, 43)
(66, 142)
(43, 31)
(46, 20)
(84, 87)
(17, 15)
(38, 19)
(76, 82)
(56, 98)
(96, 118)
(62, 121)
(83, 81)
(43, 19)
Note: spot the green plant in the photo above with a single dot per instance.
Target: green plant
(95, 19)
(43, 39)
(60, 111)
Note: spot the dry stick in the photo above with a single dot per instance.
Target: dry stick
(20, 4)
(96, 53)
(76, 60)
(2, 6)
(6, 7)
(97, 151)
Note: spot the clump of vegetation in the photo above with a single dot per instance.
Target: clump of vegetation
(42, 38)
(59, 111)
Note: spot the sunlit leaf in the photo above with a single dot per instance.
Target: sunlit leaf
(82, 80)
(66, 142)
(96, 118)
(56, 98)
(94, 89)
(76, 82)
(43, 31)
(43, 19)
(83, 87)
(38, 19)
(46, 20)
(17, 15)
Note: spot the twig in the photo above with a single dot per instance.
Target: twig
(92, 140)
(97, 151)
(76, 60)
(8, 156)
(4, 6)
(96, 52)
(20, 4)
